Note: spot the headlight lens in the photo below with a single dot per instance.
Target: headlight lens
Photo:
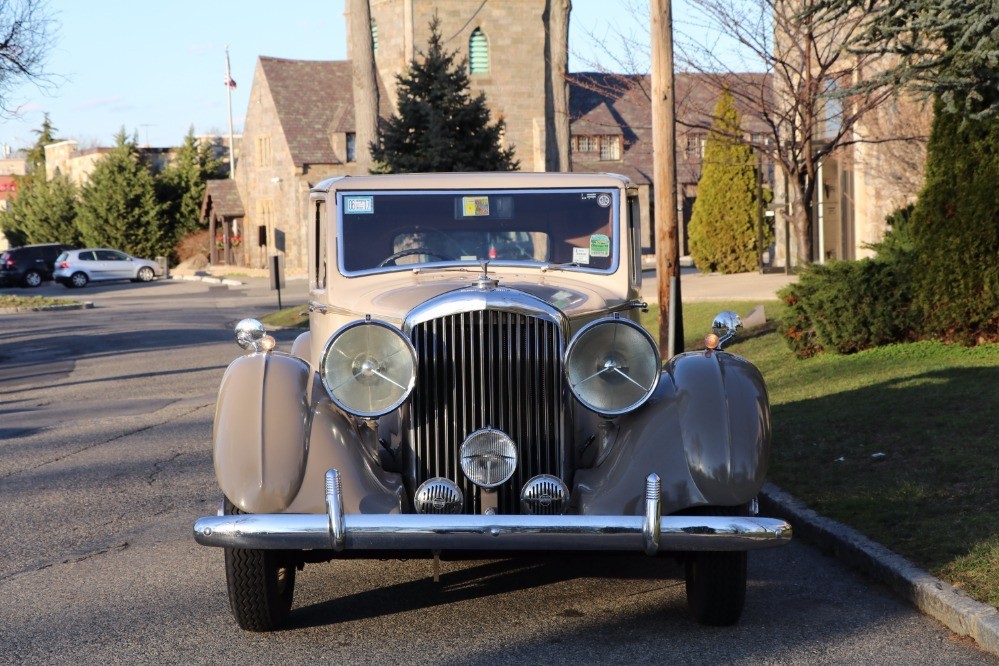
(368, 368)
(488, 457)
(612, 366)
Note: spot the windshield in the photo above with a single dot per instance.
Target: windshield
(391, 230)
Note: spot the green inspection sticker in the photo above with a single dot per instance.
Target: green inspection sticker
(599, 245)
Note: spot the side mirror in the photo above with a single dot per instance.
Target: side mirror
(724, 326)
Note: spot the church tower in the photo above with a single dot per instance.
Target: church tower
(504, 43)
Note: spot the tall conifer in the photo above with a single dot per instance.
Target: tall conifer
(439, 126)
(723, 225)
(118, 206)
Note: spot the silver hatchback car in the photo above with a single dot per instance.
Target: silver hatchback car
(78, 267)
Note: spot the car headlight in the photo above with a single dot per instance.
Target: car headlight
(612, 366)
(368, 368)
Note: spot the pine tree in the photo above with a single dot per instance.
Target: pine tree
(43, 211)
(181, 186)
(723, 225)
(439, 126)
(118, 206)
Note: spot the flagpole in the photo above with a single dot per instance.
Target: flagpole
(228, 103)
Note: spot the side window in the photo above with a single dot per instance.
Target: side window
(107, 255)
(88, 256)
(319, 250)
(634, 237)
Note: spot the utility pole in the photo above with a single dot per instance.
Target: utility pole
(229, 85)
(664, 177)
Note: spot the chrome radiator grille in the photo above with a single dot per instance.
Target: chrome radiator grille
(488, 368)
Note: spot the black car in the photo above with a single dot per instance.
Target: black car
(30, 265)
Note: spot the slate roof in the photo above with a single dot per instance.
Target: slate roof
(222, 199)
(601, 103)
(314, 99)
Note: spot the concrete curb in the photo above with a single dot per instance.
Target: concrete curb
(942, 601)
(206, 278)
(86, 305)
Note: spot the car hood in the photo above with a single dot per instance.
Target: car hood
(392, 296)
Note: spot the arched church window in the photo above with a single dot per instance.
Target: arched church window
(478, 52)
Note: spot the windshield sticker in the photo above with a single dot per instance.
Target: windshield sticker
(580, 255)
(358, 205)
(588, 195)
(475, 206)
(604, 200)
(599, 245)
(468, 257)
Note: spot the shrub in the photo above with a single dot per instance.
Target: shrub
(194, 244)
(847, 306)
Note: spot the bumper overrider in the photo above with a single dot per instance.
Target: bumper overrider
(334, 530)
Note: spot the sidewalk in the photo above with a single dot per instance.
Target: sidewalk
(696, 286)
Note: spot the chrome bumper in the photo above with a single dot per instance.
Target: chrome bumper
(650, 533)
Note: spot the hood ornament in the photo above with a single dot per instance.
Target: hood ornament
(485, 282)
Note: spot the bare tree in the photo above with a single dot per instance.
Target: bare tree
(26, 33)
(807, 102)
(365, 80)
(556, 17)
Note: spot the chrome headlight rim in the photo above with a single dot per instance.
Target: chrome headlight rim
(605, 321)
(463, 457)
(328, 347)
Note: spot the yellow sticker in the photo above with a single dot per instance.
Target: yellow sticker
(475, 206)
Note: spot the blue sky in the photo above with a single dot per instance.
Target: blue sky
(157, 68)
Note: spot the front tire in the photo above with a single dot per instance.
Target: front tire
(716, 587)
(32, 279)
(261, 584)
(145, 274)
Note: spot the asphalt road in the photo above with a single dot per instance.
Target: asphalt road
(105, 463)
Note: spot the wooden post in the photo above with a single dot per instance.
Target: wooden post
(365, 81)
(664, 177)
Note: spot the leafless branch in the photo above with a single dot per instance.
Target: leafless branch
(26, 34)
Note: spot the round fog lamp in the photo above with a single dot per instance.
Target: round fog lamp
(488, 457)
(368, 368)
(439, 495)
(544, 495)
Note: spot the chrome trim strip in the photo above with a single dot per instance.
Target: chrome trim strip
(474, 299)
(489, 532)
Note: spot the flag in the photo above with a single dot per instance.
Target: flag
(229, 81)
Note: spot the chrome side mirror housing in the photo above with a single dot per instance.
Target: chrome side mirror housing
(725, 324)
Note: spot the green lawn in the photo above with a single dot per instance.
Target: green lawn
(899, 442)
(292, 317)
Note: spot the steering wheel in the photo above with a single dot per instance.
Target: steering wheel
(391, 259)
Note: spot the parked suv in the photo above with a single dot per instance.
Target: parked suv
(30, 265)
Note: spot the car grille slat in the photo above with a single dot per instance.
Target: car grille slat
(488, 368)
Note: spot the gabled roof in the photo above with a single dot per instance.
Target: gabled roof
(314, 100)
(603, 103)
(222, 199)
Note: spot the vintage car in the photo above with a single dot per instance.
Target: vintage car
(475, 382)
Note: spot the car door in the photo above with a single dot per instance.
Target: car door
(117, 265)
(87, 260)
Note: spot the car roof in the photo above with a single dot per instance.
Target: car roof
(485, 180)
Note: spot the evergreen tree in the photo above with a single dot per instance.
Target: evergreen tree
(44, 211)
(118, 206)
(954, 231)
(439, 126)
(723, 225)
(182, 186)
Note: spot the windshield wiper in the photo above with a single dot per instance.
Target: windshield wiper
(560, 267)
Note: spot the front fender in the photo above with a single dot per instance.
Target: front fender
(261, 421)
(705, 431)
